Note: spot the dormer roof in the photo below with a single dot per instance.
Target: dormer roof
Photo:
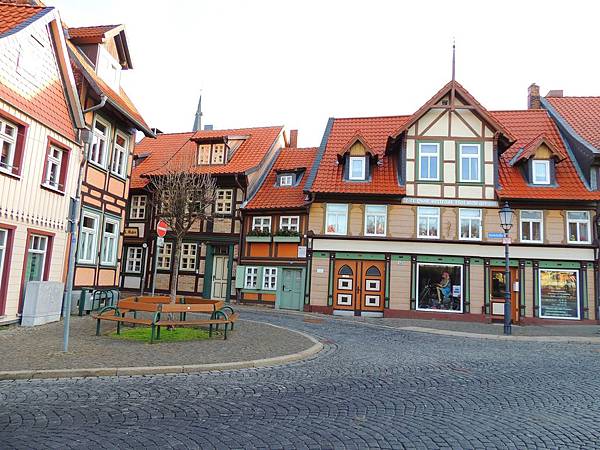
(529, 150)
(99, 34)
(352, 141)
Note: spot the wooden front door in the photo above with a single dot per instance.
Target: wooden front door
(219, 278)
(359, 286)
(497, 288)
(291, 290)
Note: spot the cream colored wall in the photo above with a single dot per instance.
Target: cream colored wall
(316, 218)
(356, 220)
(477, 294)
(319, 281)
(590, 286)
(529, 297)
(555, 227)
(402, 221)
(400, 285)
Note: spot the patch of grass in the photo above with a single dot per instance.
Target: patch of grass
(142, 334)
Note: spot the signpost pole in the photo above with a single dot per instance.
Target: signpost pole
(161, 231)
(155, 263)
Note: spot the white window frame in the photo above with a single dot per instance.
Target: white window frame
(251, 277)
(110, 242)
(530, 221)
(469, 157)
(99, 137)
(421, 157)
(544, 163)
(40, 250)
(54, 162)
(137, 210)
(261, 223)
(3, 251)
(363, 168)
(286, 180)
(376, 215)
(223, 205)
(337, 214)
(163, 259)
(204, 154)
(88, 235)
(135, 256)
(214, 153)
(423, 213)
(460, 220)
(108, 68)
(11, 140)
(269, 278)
(285, 223)
(579, 221)
(120, 155)
(188, 257)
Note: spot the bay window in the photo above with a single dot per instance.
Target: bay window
(375, 220)
(336, 219)
(470, 224)
(428, 222)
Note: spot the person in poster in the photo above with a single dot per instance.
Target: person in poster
(559, 294)
(439, 287)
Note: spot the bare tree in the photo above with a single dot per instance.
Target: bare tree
(181, 198)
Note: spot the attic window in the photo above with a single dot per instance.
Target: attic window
(211, 154)
(108, 68)
(286, 179)
(357, 170)
(540, 171)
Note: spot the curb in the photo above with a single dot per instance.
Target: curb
(159, 370)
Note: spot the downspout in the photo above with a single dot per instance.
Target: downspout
(240, 242)
(86, 137)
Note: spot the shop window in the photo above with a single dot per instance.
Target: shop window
(429, 161)
(224, 203)
(375, 220)
(578, 227)
(88, 237)
(470, 163)
(337, 219)
(428, 222)
(270, 278)
(138, 207)
(345, 270)
(439, 287)
(110, 241)
(532, 226)
(188, 256)
(163, 261)
(134, 259)
(559, 294)
(261, 224)
(289, 223)
(99, 148)
(358, 168)
(251, 277)
(470, 224)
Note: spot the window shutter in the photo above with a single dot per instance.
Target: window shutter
(240, 273)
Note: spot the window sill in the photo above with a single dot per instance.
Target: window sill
(86, 263)
(108, 265)
(98, 166)
(430, 238)
(258, 238)
(10, 174)
(47, 187)
(579, 242)
(375, 235)
(118, 176)
(286, 238)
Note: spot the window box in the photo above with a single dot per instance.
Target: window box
(251, 238)
(286, 238)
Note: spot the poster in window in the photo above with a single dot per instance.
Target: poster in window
(439, 287)
(559, 294)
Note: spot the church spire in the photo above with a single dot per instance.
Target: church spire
(198, 119)
(453, 84)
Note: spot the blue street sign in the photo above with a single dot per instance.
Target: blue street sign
(495, 235)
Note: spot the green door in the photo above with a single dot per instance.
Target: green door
(291, 290)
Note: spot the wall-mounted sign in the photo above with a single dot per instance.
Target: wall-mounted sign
(449, 202)
(302, 251)
(495, 235)
(131, 232)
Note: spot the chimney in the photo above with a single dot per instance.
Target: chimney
(555, 93)
(533, 97)
(293, 138)
(208, 127)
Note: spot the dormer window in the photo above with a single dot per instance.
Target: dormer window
(218, 154)
(108, 68)
(540, 171)
(286, 179)
(357, 171)
(211, 154)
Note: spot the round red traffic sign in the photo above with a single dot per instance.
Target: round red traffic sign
(161, 228)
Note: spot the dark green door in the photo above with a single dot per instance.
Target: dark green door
(291, 290)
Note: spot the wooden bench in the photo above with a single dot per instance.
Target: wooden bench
(162, 314)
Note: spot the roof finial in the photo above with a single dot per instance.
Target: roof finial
(453, 59)
(198, 119)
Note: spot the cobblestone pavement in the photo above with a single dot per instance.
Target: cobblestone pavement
(370, 388)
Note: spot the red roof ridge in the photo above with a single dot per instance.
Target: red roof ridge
(573, 96)
(24, 5)
(393, 116)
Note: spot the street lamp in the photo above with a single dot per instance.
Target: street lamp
(506, 219)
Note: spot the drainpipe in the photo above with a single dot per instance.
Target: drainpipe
(86, 137)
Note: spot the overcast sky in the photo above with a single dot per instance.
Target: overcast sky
(296, 63)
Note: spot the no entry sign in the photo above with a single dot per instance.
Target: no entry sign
(161, 228)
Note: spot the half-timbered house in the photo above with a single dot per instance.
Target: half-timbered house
(404, 215)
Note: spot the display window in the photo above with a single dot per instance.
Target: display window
(439, 287)
(559, 294)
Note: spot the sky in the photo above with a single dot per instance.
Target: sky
(297, 63)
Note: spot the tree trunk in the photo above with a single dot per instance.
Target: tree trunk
(175, 272)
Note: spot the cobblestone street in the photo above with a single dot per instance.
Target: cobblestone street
(369, 388)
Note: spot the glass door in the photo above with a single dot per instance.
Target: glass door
(36, 258)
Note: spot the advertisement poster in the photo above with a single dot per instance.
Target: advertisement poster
(559, 294)
(439, 287)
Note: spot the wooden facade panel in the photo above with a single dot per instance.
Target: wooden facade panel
(402, 221)
(316, 218)
(259, 248)
(84, 276)
(590, 292)
(400, 285)
(449, 225)
(287, 250)
(162, 281)
(222, 225)
(356, 219)
(491, 224)
(95, 177)
(107, 277)
(116, 187)
(529, 294)
(554, 227)
(477, 288)
(319, 281)
(187, 283)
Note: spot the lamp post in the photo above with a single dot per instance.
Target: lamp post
(506, 219)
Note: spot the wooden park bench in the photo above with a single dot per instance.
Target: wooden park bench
(163, 313)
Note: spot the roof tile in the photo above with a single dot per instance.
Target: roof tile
(582, 113)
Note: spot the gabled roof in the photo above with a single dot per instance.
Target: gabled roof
(530, 148)
(120, 101)
(99, 34)
(353, 140)
(182, 148)
(454, 87)
(17, 16)
(375, 131)
(271, 196)
(527, 126)
(582, 114)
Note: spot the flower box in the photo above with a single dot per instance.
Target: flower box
(286, 238)
(258, 238)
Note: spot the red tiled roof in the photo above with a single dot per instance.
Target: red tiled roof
(182, 148)
(526, 125)
(375, 131)
(271, 196)
(582, 113)
(14, 14)
(121, 100)
(531, 147)
(90, 34)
